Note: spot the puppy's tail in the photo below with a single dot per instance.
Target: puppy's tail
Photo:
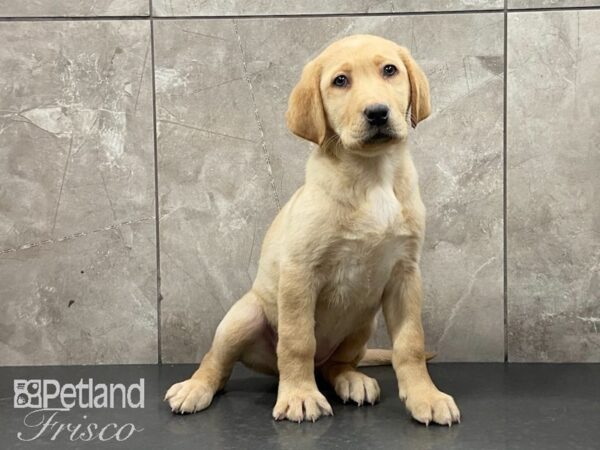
(383, 357)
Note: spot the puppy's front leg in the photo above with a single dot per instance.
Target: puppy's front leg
(298, 398)
(402, 311)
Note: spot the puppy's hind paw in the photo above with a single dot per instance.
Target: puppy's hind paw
(358, 387)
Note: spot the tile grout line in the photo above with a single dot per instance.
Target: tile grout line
(558, 8)
(71, 18)
(151, 17)
(159, 296)
(335, 14)
(504, 188)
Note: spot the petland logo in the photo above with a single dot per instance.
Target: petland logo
(50, 401)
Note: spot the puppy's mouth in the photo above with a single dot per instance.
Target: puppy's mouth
(380, 136)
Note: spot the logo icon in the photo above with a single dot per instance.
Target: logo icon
(28, 393)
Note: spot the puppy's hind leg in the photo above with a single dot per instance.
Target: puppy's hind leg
(240, 326)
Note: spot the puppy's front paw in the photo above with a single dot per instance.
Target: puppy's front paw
(356, 386)
(189, 396)
(432, 405)
(298, 404)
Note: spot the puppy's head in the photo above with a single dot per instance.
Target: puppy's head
(357, 93)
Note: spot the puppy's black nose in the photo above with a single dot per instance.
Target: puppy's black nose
(377, 114)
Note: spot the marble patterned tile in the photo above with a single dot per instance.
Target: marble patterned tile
(76, 147)
(216, 193)
(265, 7)
(76, 158)
(86, 299)
(458, 152)
(222, 92)
(553, 186)
(517, 4)
(73, 8)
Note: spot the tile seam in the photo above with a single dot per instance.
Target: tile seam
(159, 296)
(301, 15)
(504, 187)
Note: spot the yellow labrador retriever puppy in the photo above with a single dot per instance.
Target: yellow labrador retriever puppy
(346, 244)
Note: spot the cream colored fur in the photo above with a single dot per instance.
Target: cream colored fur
(346, 245)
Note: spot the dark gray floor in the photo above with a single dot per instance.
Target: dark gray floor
(522, 406)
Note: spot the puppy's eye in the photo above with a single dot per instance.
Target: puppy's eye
(389, 70)
(340, 81)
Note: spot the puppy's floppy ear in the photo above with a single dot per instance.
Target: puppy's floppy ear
(306, 115)
(420, 102)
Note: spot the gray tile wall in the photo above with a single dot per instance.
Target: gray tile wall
(216, 85)
(82, 100)
(269, 7)
(531, 4)
(73, 8)
(77, 241)
(553, 169)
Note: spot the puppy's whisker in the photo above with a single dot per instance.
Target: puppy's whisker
(332, 144)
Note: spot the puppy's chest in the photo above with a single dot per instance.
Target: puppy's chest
(379, 220)
(361, 260)
(382, 211)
